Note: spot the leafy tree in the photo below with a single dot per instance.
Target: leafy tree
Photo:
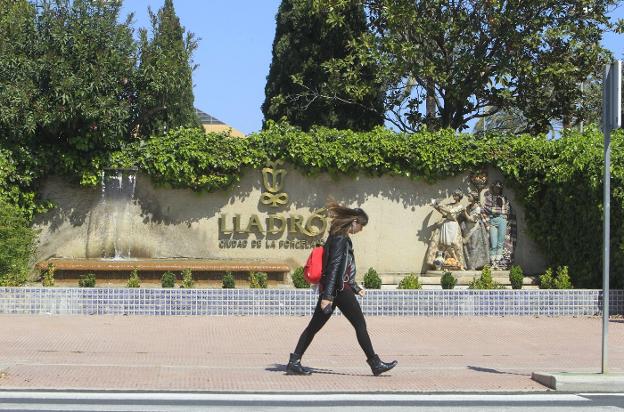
(508, 121)
(18, 68)
(87, 63)
(457, 58)
(304, 85)
(164, 78)
(19, 112)
(587, 111)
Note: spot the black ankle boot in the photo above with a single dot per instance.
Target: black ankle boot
(294, 366)
(378, 367)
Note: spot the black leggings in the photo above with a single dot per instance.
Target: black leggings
(350, 308)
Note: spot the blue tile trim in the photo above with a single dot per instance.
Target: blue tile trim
(298, 302)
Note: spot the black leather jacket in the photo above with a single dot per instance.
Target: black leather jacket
(337, 253)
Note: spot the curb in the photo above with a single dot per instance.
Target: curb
(581, 382)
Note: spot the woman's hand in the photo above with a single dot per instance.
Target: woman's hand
(324, 303)
(362, 292)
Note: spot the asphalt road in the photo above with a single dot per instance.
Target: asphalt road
(177, 401)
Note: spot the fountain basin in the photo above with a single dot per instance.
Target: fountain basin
(208, 270)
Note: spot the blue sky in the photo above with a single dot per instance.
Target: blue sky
(234, 53)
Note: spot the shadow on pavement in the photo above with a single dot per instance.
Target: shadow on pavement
(490, 370)
(282, 368)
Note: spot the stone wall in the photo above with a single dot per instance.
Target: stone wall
(165, 223)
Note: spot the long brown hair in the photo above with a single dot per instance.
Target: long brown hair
(343, 216)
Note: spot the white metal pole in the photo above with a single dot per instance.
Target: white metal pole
(606, 241)
(611, 119)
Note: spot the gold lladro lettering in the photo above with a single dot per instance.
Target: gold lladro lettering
(294, 224)
(272, 229)
(273, 180)
(254, 223)
(313, 225)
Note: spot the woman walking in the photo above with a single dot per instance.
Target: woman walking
(338, 289)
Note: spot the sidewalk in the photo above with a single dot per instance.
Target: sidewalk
(248, 354)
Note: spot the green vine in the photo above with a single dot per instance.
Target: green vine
(558, 181)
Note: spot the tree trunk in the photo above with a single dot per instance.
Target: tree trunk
(566, 122)
(430, 105)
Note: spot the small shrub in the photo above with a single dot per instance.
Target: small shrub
(17, 241)
(410, 282)
(372, 279)
(134, 281)
(87, 281)
(187, 279)
(48, 276)
(559, 280)
(448, 281)
(258, 280)
(298, 279)
(485, 281)
(516, 276)
(168, 280)
(546, 280)
(228, 281)
(562, 281)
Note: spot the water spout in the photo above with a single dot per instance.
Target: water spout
(118, 187)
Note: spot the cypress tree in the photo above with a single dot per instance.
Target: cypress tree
(299, 88)
(164, 79)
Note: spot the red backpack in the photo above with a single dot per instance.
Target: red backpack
(313, 268)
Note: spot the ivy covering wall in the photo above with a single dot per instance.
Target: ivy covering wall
(559, 181)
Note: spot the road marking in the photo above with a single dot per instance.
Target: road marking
(287, 398)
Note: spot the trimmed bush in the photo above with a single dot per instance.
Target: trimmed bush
(228, 281)
(168, 280)
(187, 279)
(563, 278)
(134, 281)
(448, 281)
(87, 281)
(17, 245)
(410, 282)
(258, 280)
(298, 280)
(485, 281)
(372, 279)
(546, 280)
(560, 280)
(516, 276)
(48, 276)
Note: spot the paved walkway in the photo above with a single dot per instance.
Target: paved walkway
(248, 354)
